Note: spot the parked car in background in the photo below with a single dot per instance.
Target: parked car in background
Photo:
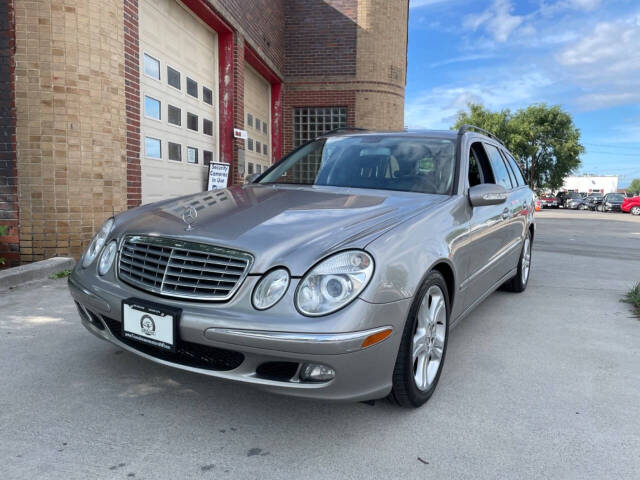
(335, 274)
(593, 200)
(611, 202)
(561, 196)
(538, 204)
(574, 202)
(548, 201)
(631, 205)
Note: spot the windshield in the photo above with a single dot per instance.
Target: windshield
(595, 195)
(618, 197)
(385, 162)
(575, 195)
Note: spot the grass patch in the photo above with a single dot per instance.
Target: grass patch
(632, 297)
(62, 274)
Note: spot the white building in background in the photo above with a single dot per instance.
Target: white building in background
(591, 183)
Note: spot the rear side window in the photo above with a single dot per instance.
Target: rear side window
(516, 169)
(500, 172)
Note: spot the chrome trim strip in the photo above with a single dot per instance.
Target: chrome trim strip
(299, 337)
(295, 342)
(173, 243)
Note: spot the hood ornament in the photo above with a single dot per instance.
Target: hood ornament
(189, 217)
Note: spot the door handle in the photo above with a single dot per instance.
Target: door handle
(505, 214)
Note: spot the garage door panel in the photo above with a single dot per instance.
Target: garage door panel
(176, 38)
(257, 104)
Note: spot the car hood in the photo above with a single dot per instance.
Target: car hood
(293, 226)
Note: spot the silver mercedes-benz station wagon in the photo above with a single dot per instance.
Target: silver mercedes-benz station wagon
(336, 274)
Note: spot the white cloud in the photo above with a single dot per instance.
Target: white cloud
(497, 20)
(587, 5)
(438, 107)
(461, 59)
(605, 63)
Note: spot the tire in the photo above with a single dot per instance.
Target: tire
(635, 211)
(520, 280)
(406, 391)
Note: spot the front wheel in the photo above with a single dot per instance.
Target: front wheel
(635, 211)
(521, 279)
(424, 344)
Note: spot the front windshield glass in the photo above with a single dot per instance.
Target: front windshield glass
(575, 195)
(618, 197)
(385, 162)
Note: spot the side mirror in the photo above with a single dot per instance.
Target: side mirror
(251, 178)
(487, 194)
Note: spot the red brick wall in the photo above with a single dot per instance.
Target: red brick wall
(324, 98)
(9, 244)
(320, 37)
(262, 21)
(132, 102)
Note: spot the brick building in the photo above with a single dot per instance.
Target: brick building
(108, 104)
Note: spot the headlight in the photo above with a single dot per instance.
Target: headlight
(107, 258)
(270, 289)
(334, 282)
(97, 243)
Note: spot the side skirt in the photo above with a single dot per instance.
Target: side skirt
(480, 299)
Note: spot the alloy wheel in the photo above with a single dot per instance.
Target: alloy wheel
(526, 260)
(635, 211)
(429, 338)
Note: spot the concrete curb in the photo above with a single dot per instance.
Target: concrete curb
(13, 277)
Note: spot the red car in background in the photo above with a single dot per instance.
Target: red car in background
(548, 201)
(631, 205)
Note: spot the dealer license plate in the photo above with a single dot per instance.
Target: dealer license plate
(150, 323)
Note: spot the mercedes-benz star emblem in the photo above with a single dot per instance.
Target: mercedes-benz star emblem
(189, 216)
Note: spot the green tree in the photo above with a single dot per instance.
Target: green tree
(544, 139)
(634, 186)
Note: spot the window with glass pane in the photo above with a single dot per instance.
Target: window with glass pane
(264, 127)
(175, 152)
(249, 120)
(151, 67)
(258, 168)
(207, 127)
(250, 168)
(207, 96)
(174, 115)
(152, 107)
(192, 155)
(310, 122)
(192, 87)
(192, 121)
(250, 144)
(152, 147)
(173, 77)
(207, 157)
(258, 147)
(500, 173)
(258, 124)
(264, 149)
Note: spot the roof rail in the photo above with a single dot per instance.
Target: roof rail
(343, 129)
(466, 127)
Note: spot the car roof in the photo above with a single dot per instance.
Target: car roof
(448, 134)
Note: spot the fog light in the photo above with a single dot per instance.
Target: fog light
(313, 372)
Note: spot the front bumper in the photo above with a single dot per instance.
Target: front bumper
(280, 337)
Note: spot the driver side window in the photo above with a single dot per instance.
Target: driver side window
(479, 169)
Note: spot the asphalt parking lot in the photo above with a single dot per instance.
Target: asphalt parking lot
(544, 384)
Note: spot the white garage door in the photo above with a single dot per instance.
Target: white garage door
(257, 114)
(179, 99)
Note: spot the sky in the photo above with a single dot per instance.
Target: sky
(583, 55)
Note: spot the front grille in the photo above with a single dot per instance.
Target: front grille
(175, 268)
(187, 353)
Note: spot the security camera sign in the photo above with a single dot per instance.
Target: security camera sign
(218, 175)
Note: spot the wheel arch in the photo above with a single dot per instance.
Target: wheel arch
(446, 270)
